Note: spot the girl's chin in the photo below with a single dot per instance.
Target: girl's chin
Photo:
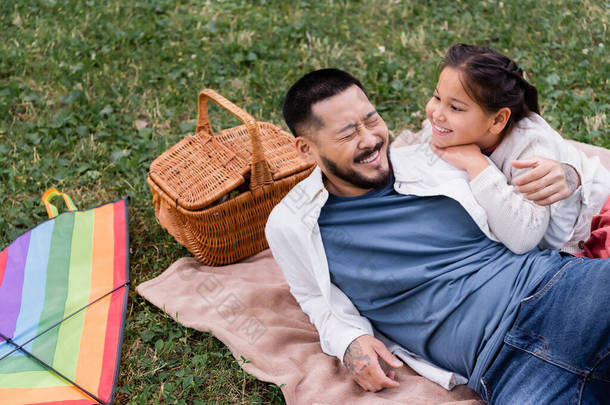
(440, 142)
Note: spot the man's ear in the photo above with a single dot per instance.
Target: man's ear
(499, 120)
(305, 148)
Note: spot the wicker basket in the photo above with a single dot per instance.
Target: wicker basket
(192, 180)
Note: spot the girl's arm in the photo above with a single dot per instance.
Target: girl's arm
(556, 185)
(517, 222)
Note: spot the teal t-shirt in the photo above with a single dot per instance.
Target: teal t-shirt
(425, 275)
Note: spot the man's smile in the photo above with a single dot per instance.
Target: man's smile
(369, 157)
(372, 157)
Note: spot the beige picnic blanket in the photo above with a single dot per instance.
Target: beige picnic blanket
(248, 306)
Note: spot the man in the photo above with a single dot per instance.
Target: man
(393, 241)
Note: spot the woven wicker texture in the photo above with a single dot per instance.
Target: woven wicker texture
(191, 181)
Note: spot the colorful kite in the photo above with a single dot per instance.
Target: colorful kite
(63, 295)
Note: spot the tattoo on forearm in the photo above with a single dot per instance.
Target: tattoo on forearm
(355, 360)
(571, 177)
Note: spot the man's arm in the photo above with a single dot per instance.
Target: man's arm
(549, 181)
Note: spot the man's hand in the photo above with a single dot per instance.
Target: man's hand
(362, 360)
(466, 157)
(548, 181)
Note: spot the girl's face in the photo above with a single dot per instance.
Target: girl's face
(456, 118)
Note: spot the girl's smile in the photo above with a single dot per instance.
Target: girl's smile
(440, 131)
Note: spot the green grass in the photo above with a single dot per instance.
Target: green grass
(76, 76)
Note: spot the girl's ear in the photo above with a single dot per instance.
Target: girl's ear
(305, 149)
(499, 120)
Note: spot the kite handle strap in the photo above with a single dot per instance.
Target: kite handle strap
(51, 209)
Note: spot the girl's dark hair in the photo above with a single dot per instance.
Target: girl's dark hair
(493, 80)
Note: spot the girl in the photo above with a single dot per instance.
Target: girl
(483, 109)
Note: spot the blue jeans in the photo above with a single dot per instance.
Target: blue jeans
(557, 351)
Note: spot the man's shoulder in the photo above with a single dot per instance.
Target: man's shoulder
(299, 209)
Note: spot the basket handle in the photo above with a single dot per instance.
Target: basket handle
(260, 174)
(51, 209)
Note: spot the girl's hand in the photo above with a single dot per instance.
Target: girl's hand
(548, 181)
(466, 157)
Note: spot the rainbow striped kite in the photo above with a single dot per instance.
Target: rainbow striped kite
(63, 294)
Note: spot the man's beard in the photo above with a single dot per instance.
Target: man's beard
(353, 177)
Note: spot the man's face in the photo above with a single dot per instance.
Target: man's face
(350, 145)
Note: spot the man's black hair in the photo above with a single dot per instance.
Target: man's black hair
(310, 89)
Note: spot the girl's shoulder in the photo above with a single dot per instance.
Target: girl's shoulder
(534, 126)
(532, 135)
(533, 132)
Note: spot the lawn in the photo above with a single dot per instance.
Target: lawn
(92, 91)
